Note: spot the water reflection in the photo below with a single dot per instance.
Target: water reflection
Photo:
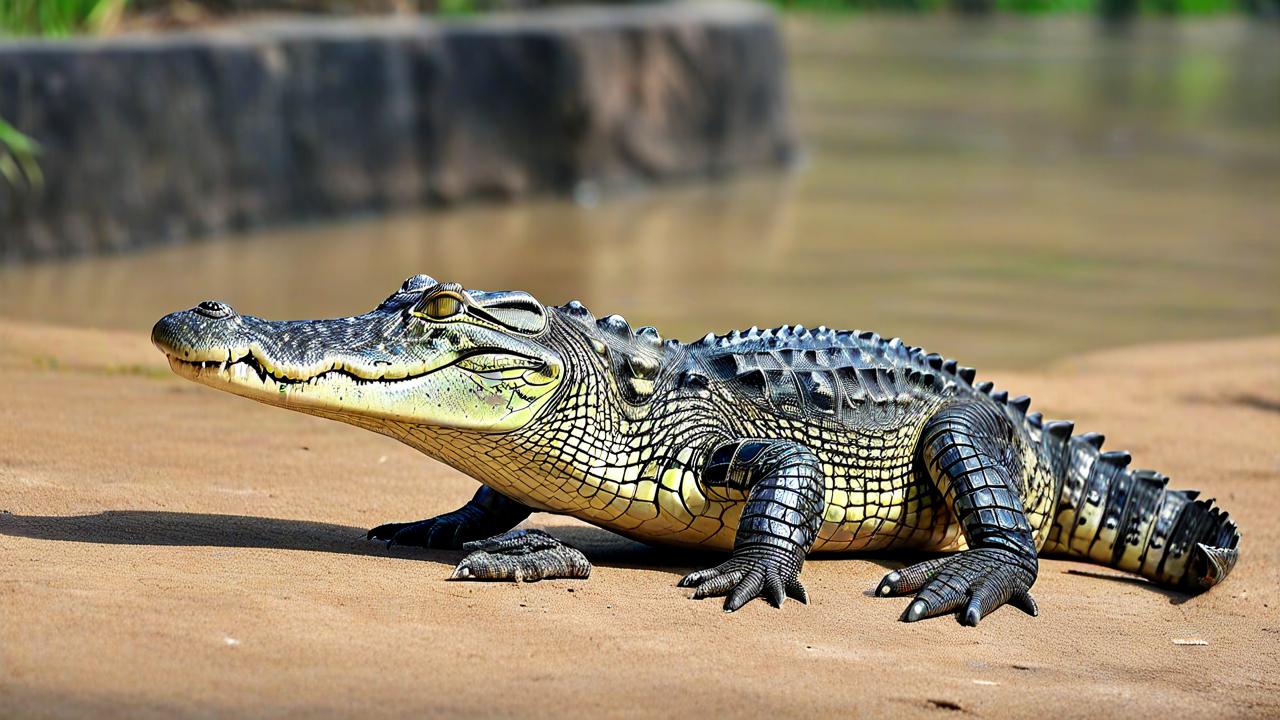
(1005, 192)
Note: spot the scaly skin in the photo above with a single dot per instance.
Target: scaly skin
(769, 444)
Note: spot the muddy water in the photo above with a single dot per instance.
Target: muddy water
(1005, 193)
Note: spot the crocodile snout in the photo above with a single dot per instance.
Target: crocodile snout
(211, 326)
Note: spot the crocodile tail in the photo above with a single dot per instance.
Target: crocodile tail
(1130, 520)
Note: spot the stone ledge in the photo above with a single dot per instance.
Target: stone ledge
(155, 139)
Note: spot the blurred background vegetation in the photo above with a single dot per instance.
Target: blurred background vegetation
(64, 17)
(60, 18)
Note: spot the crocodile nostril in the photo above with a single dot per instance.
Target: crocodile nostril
(213, 309)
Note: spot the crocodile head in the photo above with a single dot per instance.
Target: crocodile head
(432, 354)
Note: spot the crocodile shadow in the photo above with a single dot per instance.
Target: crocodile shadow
(603, 548)
(162, 528)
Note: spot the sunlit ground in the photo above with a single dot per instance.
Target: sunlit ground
(1004, 192)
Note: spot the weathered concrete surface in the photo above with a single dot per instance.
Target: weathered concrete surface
(152, 139)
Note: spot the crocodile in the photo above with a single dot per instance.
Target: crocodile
(765, 444)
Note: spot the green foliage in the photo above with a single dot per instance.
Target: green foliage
(457, 7)
(1036, 7)
(18, 152)
(58, 17)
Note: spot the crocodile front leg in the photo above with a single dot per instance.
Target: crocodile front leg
(521, 556)
(488, 513)
(779, 523)
(966, 450)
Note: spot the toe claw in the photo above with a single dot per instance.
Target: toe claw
(796, 591)
(1024, 602)
(383, 531)
(768, 573)
(975, 583)
(775, 592)
(694, 579)
(915, 611)
(888, 583)
(743, 593)
(714, 583)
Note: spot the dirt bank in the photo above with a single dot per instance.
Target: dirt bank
(172, 550)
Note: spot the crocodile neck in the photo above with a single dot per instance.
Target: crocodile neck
(591, 433)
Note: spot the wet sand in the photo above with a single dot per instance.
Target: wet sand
(169, 550)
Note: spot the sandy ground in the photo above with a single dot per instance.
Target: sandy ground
(170, 550)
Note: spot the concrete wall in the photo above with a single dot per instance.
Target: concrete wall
(155, 139)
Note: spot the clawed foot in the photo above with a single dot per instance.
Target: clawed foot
(752, 572)
(978, 580)
(521, 556)
(444, 532)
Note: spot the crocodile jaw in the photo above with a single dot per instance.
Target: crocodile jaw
(463, 383)
(449, 397)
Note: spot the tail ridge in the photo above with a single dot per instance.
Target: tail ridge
(1131, 520)
(1125, 518)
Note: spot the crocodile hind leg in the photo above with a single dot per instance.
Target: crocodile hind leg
(487, 513)
(521, 556)
(779, 523)
(967, 452)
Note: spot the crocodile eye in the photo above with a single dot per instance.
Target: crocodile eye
(442, 306)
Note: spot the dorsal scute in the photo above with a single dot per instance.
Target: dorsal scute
(761, 358)
(814, 373)
(577, 311)
(781, 338)
(634, 356)
(837, 348)
(617, 326)
(649, 335)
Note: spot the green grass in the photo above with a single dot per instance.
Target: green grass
(454, 8)
(58, 18)
(49, 18)
(18, 153)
